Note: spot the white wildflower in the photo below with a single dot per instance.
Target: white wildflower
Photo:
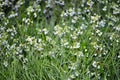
(73, 21)
(80, 54)
(118, 56)
(77, 45)
(35, 15)
(94, 64)
(5, 63)
(105, 8)
(72, 76)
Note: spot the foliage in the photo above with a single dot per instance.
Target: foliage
(59, 39)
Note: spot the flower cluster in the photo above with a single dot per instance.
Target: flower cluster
(83, 39)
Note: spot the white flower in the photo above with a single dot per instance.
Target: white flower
(80, 54)
(95, 18)
(77, 45)
(5, 63)
(100, 33)
(35, 15)
(90, 3)
(20, 56)
(30, 40)
(52, 54)
(13, 15)
(25, 60)
(74, 36)
(45, 31)
(117, 28)
(69, 79)
(98, 66)
(73, 21)
(83, 26)
(71, 11)
(64, 42)
(95, 54)
(102, 23)
(65, 14)
(30, 9)
(105, 8)
(76, 73)
(94, 64)
(72, 76)
(118, 56)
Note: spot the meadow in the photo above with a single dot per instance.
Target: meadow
(59, 39)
